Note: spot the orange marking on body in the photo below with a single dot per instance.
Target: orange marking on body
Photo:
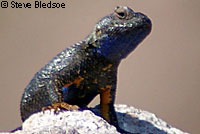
(105, 99)
(67, 85)
(108, 67)
(108, 87)
(77, 82)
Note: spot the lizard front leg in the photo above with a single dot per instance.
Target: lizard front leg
(107, 105)
(107, 98)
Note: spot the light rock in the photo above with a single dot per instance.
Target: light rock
(86, 122)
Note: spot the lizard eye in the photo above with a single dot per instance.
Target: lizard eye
(121, 12)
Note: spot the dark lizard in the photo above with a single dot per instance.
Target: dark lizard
(88, 68)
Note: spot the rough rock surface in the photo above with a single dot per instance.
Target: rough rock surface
(86, 122)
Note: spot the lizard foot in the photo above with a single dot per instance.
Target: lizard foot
(60, 106)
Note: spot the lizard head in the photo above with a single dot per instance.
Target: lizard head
(118, 34)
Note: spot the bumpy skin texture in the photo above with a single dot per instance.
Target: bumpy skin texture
(79, 73)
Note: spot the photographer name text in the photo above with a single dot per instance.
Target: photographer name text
(35, 4)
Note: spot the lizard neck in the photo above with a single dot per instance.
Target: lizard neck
(113, 48)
